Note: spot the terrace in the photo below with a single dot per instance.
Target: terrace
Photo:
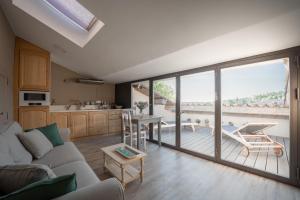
(202, 141)
(265, 105)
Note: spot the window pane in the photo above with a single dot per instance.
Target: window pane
(140, 97)
(256, 116)
(164, 92)
(140, 100)
(198, 112)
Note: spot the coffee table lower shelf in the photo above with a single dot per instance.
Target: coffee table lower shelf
(130, 173)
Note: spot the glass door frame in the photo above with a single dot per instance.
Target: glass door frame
(151, 111)
(294, 106)
(293, 117)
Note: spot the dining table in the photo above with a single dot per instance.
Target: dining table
(147, 119)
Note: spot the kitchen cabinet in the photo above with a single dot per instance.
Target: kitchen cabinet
(33, 117)
(115, 122)
(98, 123)
(79, 124)
(33, 65)
(34, 70)
(89, 123)
(62, 119)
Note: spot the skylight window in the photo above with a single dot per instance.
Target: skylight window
(73, 10)
(67, 17)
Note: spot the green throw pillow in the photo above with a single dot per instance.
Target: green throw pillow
(45, 189)
(51, 132)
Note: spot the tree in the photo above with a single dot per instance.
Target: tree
(164, 90)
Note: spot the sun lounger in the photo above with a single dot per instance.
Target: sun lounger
(251, 135)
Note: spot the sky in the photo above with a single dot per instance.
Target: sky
(241, 81)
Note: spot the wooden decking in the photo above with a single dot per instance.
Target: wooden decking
(202, 141)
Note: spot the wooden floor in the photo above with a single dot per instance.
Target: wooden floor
(173, 175)
(202, 141)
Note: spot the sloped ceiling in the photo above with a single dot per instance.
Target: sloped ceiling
(144, 38)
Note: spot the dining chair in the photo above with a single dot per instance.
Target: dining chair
(128, 131)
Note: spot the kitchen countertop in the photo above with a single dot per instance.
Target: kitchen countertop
(85, 110)
(73, 108)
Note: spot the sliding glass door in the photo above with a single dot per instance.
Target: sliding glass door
(197, 108)
(164, 104)
(243, 116)
(256, 116)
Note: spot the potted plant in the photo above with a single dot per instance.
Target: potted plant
(206, 122)
(141, 105)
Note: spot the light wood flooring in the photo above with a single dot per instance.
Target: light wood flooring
(173, 175)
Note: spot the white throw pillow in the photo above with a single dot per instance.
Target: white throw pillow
(36, 143)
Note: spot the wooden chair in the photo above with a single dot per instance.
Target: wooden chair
(128, 131)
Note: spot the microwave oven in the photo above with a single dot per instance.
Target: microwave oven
(33, 98)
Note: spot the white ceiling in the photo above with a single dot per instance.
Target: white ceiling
(144, 38)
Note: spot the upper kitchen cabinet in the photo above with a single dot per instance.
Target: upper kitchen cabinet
(33, 66)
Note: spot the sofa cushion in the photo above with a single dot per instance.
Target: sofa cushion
(17, 151)
(49, 171)
(61, 155)
(109, 189)
(52, 133)
(36, 143)
(15, 177)
(85, 175)
(45, 189)
(5, 157)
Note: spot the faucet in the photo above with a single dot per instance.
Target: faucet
(68, 106)
(78, 103)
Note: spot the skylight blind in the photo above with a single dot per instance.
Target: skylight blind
(74, 11)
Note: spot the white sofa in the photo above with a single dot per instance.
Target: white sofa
(64, 159)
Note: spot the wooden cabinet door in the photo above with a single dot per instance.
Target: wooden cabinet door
(79, 124)
(34, 70)
(115, 126)
(33, 117)
(98, 123)
(61, 119)
(115, 122)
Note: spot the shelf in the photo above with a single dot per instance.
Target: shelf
(131, 173)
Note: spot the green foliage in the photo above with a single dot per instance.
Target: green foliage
(270, 97)
(164, 90)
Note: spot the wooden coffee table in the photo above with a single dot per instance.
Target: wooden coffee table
(122, 168)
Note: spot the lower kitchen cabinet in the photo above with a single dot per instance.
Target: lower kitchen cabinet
(98, 123)
(115, 122)
(79, 124)
(33, 116)
(89, 123)
(62, 119)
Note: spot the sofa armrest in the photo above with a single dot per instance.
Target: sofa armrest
(65, 134)
(110, 189)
